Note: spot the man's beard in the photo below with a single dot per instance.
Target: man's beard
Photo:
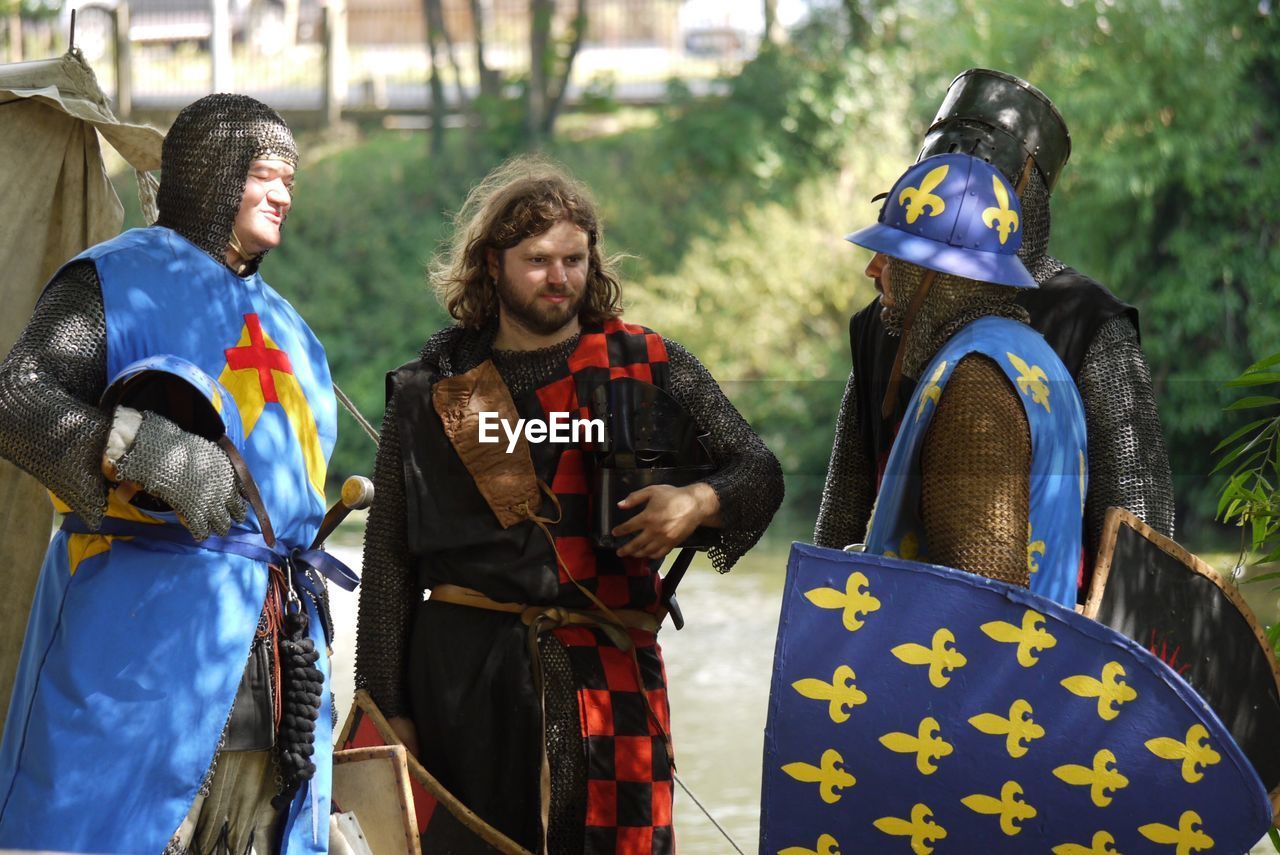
(537, 316)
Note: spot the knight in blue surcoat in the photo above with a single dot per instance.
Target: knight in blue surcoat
(988, 471)
(135, 723)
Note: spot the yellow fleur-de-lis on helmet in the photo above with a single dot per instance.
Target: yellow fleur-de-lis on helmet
(917, 199)
(1001, 217)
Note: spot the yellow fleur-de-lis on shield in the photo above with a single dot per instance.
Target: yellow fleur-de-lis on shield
(1189, 836)
(928, 745)
(932, 391)
(1010, 807)
(1031, 381)
(1110, 691)
(854, 602)
(1194, 752)
(1102, 844)
(1018, 729)
(940, 656)
(829, 775)
(826, 845)
(842, 694)
(1102, 778)
(921, 828)
(1002, 218)
(1031, 637)
(918, 199)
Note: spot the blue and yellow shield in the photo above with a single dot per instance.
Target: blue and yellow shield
(917, 708)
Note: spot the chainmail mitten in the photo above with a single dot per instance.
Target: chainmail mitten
(976, 475)
(205, 162)
(1128, 461)
(849, 492)
(748, 480)
(188, 472)
(50, 384)
(388, 588)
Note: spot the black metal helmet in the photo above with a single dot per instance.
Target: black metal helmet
(1005, 121)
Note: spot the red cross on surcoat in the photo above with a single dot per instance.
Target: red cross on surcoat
(257, 355)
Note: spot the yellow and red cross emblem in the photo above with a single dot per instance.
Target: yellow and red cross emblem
(259, 373)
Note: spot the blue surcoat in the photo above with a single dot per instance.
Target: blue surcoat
(135, 647)
(1059, 470)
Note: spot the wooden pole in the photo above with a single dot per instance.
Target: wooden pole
(335, 60)
(124, 61)
(221, 72)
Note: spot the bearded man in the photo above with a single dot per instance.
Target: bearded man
(530, 682)
(135, 724)
(1016, 128)
(988, 472)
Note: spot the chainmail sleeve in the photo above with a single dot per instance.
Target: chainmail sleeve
(748, 481)
(50, 383)
(976, 475)
(1128, 461)
(849, 491)
(388, 588)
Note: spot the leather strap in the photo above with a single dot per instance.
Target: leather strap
(540, 619)
(249, 488)
(551, 616)
(890, 402)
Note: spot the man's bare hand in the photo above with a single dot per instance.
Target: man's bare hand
(668, 516)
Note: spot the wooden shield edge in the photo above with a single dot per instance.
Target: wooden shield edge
(1117, 517)
(403, 795)
(362, 703)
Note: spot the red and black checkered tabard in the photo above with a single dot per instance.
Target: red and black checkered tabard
(629, 776)
(604, 352)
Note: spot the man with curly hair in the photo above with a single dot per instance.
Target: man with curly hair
(530, 681)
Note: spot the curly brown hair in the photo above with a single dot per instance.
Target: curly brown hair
(522, 198)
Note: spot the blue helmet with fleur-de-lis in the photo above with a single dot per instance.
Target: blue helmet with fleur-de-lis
(956, 214)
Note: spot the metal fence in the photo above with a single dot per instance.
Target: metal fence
(371, 55)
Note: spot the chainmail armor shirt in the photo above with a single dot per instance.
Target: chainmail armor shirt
(975, 466)
(50, 383)
(748, 482)
(1128, 461)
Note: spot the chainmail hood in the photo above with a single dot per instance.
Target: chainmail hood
(952, 302)
(1035, 231)
(205, 162)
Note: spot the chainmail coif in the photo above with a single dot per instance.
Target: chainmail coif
(952, 302)
(205, 162)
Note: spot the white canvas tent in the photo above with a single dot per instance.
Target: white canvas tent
(56, 201)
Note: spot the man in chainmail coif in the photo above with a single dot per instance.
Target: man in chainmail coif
(991, 455)
(528, 616)
(1016, 128)
(136, 725)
